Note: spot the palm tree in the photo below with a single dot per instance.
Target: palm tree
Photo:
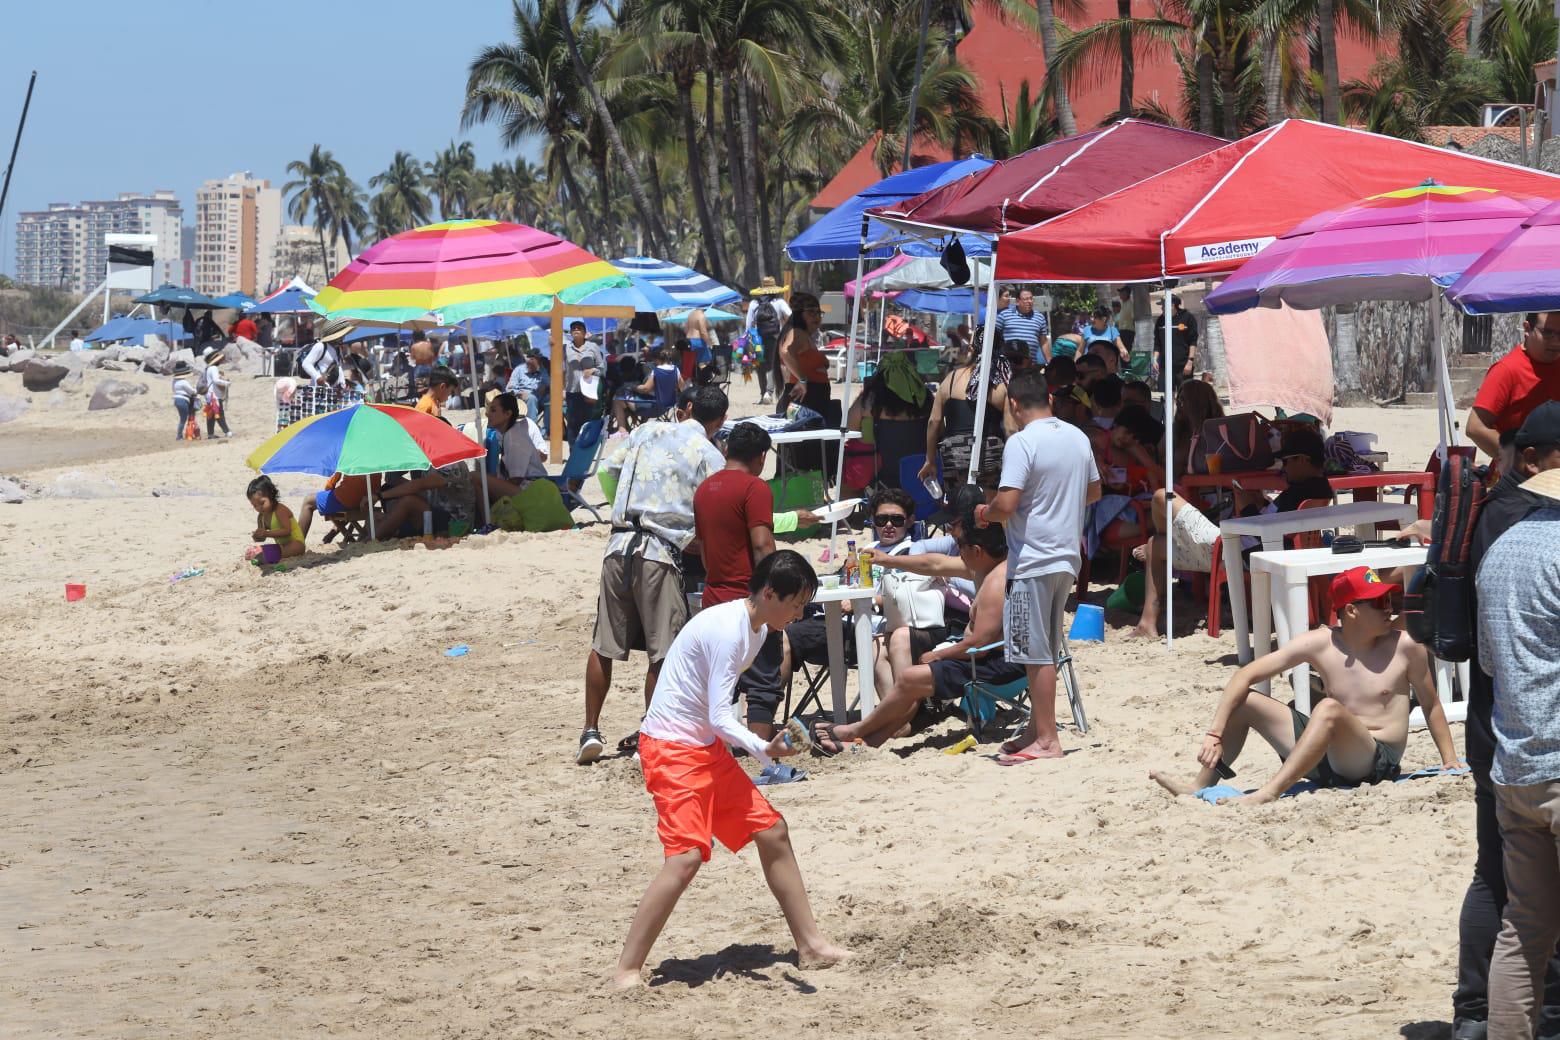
(1060, 97)
(648, 218)
(350, 214)
(401, 202)
(449, 176)
(1024, 126)
(314, 194)
(529, 87)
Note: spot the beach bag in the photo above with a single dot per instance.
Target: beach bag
(860, 464)
(766, 319)
(1436, 604)
(913, 600)
(191, 431)
(1241, 442)
(537, 507)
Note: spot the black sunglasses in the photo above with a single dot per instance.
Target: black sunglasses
(889, 519)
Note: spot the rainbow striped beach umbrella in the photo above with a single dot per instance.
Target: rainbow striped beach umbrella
(1399, 245)
(463, 269)
(363, 439)
(1518, 273)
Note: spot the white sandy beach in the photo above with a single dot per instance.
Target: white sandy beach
(269, 806)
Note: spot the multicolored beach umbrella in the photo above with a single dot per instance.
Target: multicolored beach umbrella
(1399, 245)
(1519, 273)
(365, 438)
(461, 269)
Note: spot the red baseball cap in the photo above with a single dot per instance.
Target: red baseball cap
(1358, 584)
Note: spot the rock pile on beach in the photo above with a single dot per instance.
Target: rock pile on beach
(111, 393)
(39, 375)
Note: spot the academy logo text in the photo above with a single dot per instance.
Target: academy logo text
(1218, 252)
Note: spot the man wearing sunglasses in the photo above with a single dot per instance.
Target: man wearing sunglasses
(1517, 383)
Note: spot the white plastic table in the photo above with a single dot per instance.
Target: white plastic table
(1272, 527)
(1280, 595)
(832, 613)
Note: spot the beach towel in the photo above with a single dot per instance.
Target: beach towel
(1278, 358)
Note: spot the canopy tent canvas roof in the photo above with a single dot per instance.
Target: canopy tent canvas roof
(1051, 179)
(1215, 211)
(837, 236)
(906, 272)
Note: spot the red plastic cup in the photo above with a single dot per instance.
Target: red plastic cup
(74, 592)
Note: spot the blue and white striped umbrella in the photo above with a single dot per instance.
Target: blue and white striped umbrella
(687, 286)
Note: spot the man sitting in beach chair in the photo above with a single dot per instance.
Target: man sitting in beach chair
(943, 671)
(1357, 733)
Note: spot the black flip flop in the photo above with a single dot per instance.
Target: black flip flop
(828, 731)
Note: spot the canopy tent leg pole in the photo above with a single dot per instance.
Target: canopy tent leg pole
(988, 338)
(1168, 376)
(1445, 405)
(850, 363)
(882, 326)
(476, 407)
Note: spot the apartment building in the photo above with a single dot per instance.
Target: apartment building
(63, 246)
(237, 222)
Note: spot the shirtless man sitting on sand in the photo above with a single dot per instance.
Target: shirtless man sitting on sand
(943, 671)
(1356, 734)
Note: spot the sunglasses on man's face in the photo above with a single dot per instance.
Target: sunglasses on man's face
(888, 520)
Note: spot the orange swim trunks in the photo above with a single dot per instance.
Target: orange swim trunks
(701, 794)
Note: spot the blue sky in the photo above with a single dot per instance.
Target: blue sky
(169, 93)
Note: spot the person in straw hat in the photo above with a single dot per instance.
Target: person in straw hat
(214, 389)
(184, 398)
(767, 316)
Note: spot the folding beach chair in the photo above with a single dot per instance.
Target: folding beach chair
(927, 508)
(982, 701)
(580, 467)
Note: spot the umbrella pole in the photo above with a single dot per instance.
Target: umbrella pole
(1445, 406)
(987, 340)
(1168, 376)
(476, 407)
(372, 537)
(850, 362)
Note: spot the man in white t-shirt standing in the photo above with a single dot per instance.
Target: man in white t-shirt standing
(1048, 480)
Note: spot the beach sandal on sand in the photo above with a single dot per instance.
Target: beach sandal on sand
(1018, 759)
(629, 744)
(778, 773)
(822, 731)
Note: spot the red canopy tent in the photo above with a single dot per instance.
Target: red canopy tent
(1051, 179)
(1214, 212)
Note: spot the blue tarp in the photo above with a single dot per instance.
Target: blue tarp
(837, 236)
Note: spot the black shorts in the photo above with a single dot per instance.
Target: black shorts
(949, 677)
(760, 684)
(413, 527)
(810, 639)
(1385, 765)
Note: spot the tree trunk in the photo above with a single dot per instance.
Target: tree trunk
(650, 220)
(1273, 77)
(1229, 95)
(1327, 35)
(1048, 44)
(324, 256)
(741, 199)
(701, 201)
(571, 187)
(1345, 356)
(755, 167)
(1210, 351)
(1128, 62)
(1475, 25)
(712, 155)
(1206, 105)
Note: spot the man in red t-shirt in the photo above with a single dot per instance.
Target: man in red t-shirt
(1517, 383)
(243, 328)
(734, 524)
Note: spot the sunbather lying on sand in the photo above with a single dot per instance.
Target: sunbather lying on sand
(1357, 733)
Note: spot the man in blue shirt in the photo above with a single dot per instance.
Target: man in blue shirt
(1021, 327)
(531, 383)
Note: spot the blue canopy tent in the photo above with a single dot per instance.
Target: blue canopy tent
(837, 235)
(110, 331)
(687, 287)
(236, 301)
(117, 330)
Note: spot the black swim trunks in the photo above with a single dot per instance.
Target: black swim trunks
(1385, 765)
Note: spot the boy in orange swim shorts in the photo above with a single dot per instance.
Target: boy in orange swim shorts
(701, 793)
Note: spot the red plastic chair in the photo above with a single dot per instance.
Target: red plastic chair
(1114, 538)
(1320, 587)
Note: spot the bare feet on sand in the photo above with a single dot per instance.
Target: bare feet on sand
(1254, 798)
(826, 955)
(1144, 630)
(626, 980)
(1171, 784)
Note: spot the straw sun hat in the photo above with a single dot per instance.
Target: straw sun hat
(767, 287)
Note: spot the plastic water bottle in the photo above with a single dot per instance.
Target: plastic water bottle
(852, 563)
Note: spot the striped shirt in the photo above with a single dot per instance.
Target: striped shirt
(1028, 329)
(1519, 628)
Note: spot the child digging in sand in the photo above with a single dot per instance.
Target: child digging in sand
(1356, 734)
(277, 524)
(700, 792)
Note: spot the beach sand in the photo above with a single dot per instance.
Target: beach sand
(270, 806)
